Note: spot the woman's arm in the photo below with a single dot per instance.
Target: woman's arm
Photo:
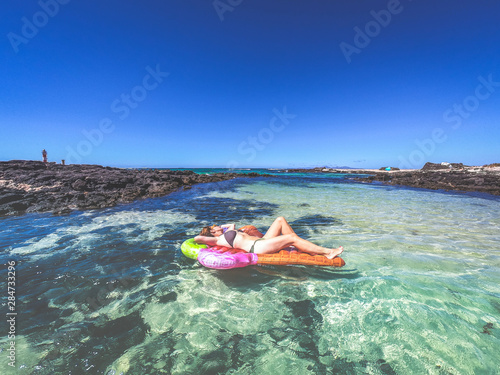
(210, 241)
(228, 226)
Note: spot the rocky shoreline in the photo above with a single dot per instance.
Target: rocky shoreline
(34, 186)
(450, 177)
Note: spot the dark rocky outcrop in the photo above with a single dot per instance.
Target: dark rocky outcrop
(444, 166)
(446, 176)
(33, 186)
(454, 177)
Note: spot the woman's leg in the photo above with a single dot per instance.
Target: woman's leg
(278, 227)
(273, 245)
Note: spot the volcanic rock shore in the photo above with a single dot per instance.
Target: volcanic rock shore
(33, 186)
(472, 180)
(450, 176)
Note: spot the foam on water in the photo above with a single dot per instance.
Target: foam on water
(110, 291)
(84, 237)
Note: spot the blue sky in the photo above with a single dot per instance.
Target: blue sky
(240, 83)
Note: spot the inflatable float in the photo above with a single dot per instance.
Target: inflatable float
(223, 258)
(220, 257)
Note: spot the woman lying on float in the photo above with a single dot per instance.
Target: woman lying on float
(279, 236)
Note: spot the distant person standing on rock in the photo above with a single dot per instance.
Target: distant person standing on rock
(44, 154)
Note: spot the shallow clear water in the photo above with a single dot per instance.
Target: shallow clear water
(109, 292)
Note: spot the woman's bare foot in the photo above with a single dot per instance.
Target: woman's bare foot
(335, 252)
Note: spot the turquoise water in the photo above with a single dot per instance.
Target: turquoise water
(109, 292)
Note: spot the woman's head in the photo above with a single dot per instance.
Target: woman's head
(211, 231)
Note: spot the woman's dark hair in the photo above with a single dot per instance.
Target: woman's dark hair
(206, 231)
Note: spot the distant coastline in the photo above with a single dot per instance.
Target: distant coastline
(450, 177)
